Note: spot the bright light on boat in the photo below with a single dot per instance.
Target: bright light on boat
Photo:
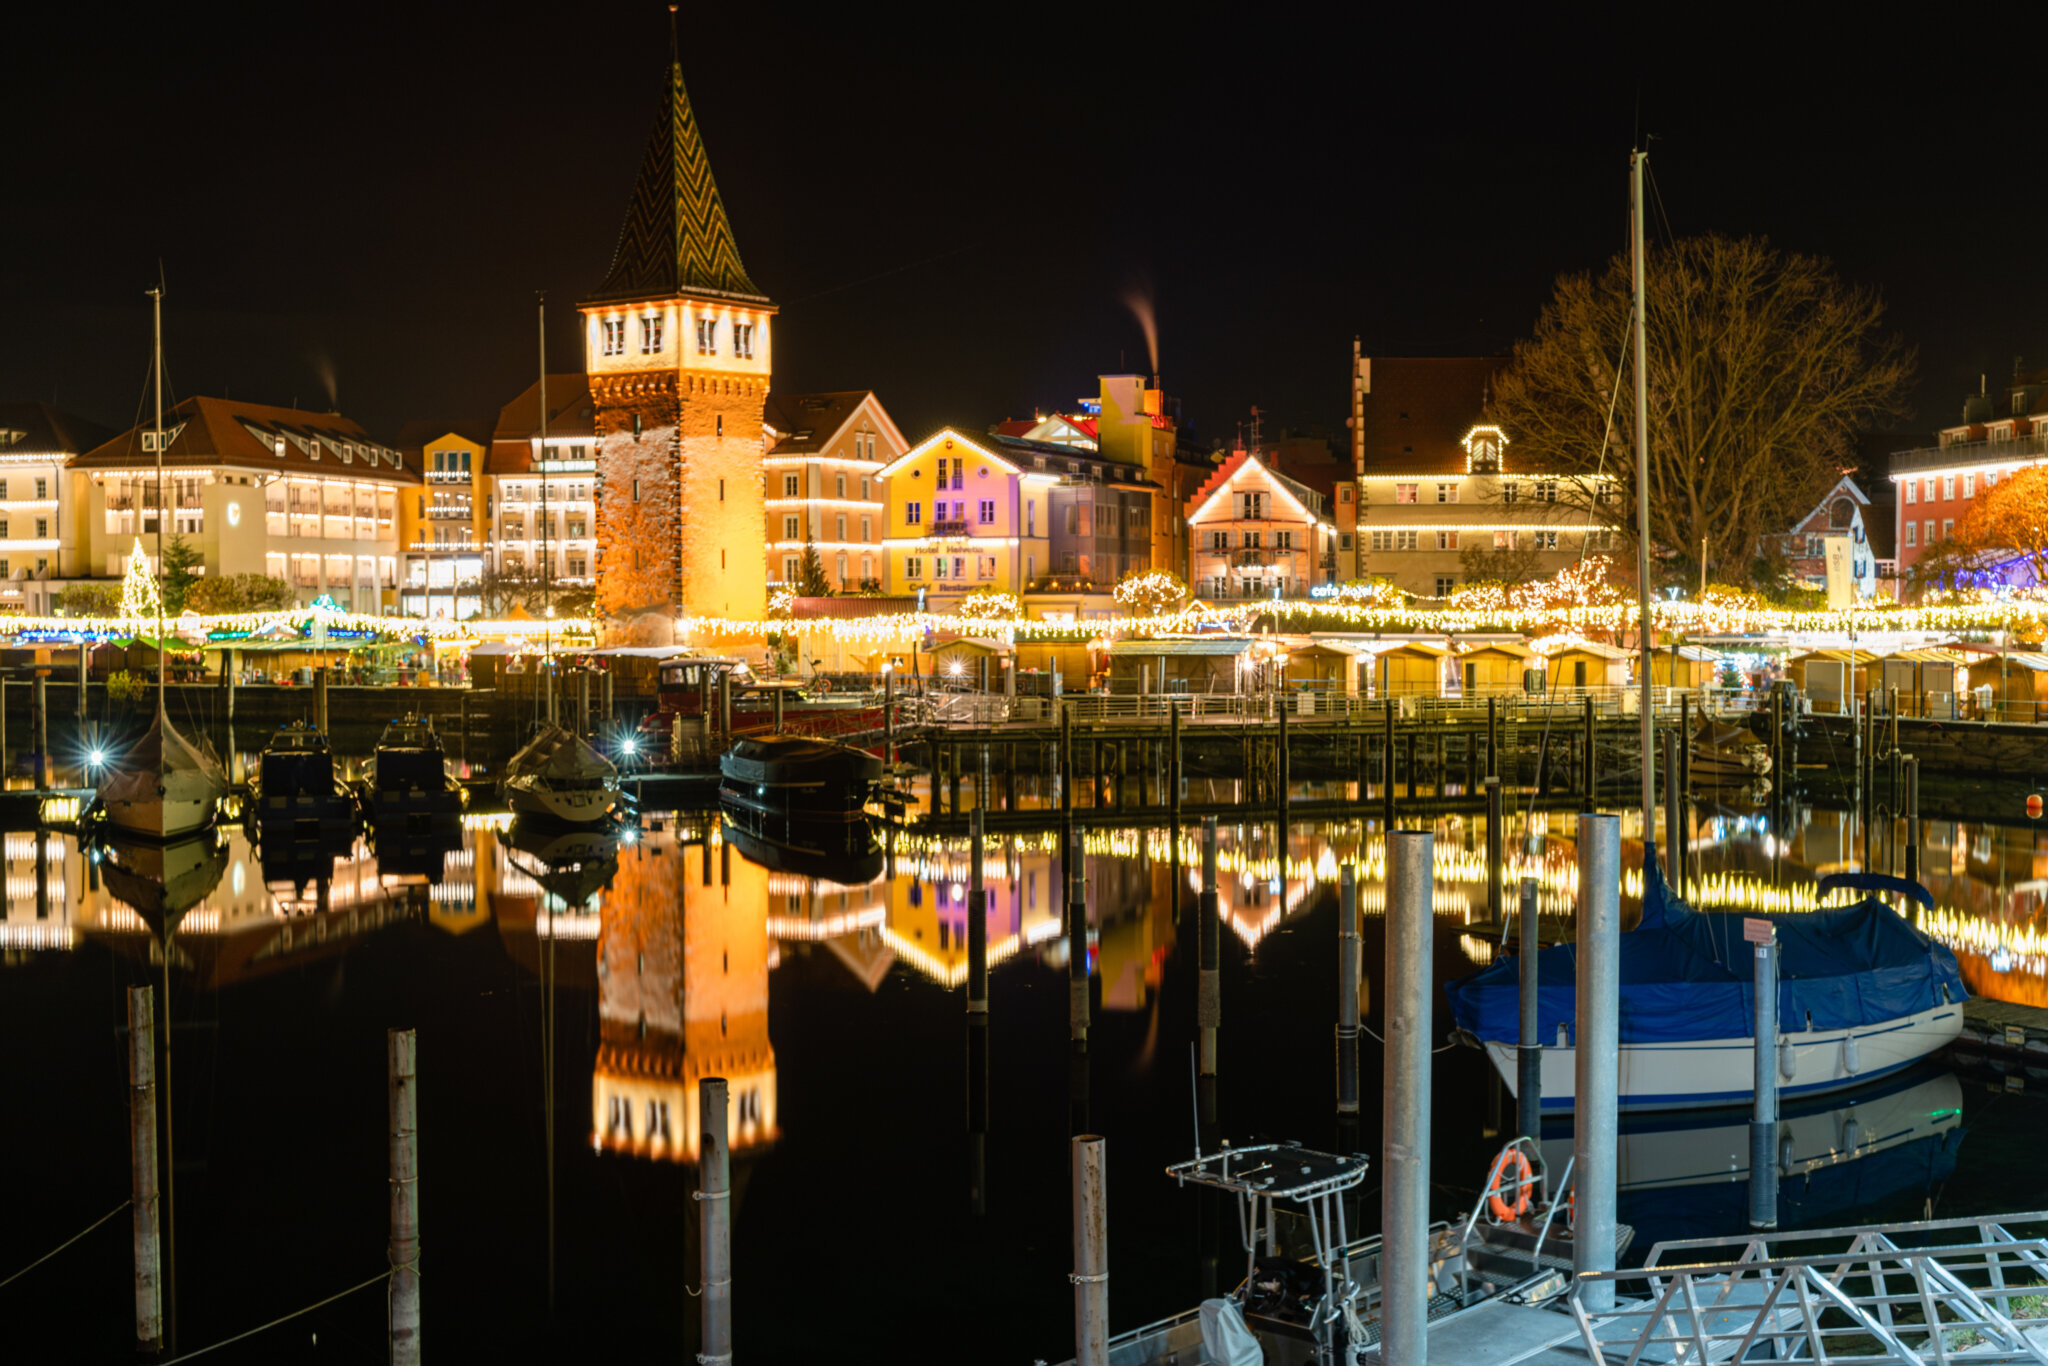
(96, 758)
(629, 745)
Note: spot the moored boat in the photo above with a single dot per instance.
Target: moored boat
(798, 778)
(163, 786)
(294, 792)
(558, 776)
(1861, 994)
(1725, 753)
(408, 777)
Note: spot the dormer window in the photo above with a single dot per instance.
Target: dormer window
(1483, 449)
(650, 334)
(707, 336)
(614, 336)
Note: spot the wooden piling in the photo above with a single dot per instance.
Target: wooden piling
(1280, 773)
(1387, 769)
(1493, 737)
(1173, 768)
(1091, 1252)
(1348, 965)
(42, 727)
(404, 1252)
(977, 920)
(1589, 775)
(149, 1302)
(1066, 757)
(889, 718)
(1674, 818)
(1209, 997)
(1496, 840)
(320, 699)
(714, 1213)
(1077, 942)
(583, 702)
(1912, 818)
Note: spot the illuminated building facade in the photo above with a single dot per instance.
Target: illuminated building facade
(825, 455)
(1935, 486)
(1258, 534)
(541, 501)
(306, 498)
(443, 529)
(1435, 483)
(679, 354)
(38, 518)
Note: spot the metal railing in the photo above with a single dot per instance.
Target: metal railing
(1561, 710)
(1879, 1295)
(1964, 453)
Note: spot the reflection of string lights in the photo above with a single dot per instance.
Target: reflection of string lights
(2007, 948)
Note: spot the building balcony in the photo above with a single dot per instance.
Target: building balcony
(1255, 558)
(1963, 453)
(951, 528)
(447, 476)
(445, 514)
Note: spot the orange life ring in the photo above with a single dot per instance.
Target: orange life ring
(821, 685)
(1496, 1188)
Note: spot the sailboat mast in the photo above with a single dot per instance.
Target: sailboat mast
(156, 365)
(547, 580)
(1648, 714)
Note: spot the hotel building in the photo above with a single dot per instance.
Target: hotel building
(825, 455)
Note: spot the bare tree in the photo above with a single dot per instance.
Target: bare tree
(1763, 364)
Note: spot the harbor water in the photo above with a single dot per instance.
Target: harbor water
(879, 1214)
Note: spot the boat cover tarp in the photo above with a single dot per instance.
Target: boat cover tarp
(555, 753)
(1687, 975)
(139, 770)
(788, 759)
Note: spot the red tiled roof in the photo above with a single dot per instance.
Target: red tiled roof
(1419, 409)
(807, 422)
(570, 413)
(218, 431)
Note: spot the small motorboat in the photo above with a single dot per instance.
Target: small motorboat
(560, 777)
(408, 778)
(815, 782)
(1861, 994)
(294, 793)
(164, 786)
(1725, 753)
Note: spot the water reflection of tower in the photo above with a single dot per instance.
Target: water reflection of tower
(682, 994)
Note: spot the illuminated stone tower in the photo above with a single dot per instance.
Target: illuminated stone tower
(677, 340)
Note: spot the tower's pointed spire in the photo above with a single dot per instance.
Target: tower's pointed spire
(676, 239)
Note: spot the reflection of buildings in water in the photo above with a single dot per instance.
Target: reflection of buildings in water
(925, 924)
(682, 993)
(236, 926)
(36, 915)
(846, 919)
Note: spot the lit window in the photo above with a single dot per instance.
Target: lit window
(865, 533)
(1404, 493)
(1948, 486)
(839, 524)
(1546, 491)
(743, 340)
(650, 334)
(789, 568)
(790, 485)
(1447, 493)
(987, 569)
(1927, 533)
(790, 529)
(938, 566)
(838, 486)
(1283, 540)
(42, 489)
(988, 511)
(707, 336)
(913, 513)
(1503, 540)
(1948, 528)
(1927, 489)
(1254, 506)
(1912, 491)
(615, 336)
(1447, 540)
(913, 567)
(1970, 485)
(1912, 533)
(1546, 540)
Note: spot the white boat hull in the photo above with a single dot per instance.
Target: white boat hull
(1700, 1072)
(574, 806)
(186, 804)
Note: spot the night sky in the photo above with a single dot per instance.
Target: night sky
(354, 205)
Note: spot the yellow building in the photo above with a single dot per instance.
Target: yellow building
(959, 516)
(679, 359)
(824, 463)
(443, 531)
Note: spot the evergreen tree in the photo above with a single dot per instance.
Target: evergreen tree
(810, 573)
(179, 561)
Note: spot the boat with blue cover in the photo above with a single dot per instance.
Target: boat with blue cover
(1861, 995)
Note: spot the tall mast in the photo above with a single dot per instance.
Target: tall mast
(547, 580)
(1649, 719)
(156, 365)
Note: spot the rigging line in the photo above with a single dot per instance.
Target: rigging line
(1599, 469)
(1657, 196)
(380, 1276)
(66, 1243)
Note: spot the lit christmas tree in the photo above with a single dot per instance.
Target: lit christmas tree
(139, 597)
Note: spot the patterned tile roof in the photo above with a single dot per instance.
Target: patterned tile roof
(676, 238)
(44, 429)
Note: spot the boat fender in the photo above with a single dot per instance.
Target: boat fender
(1788, 1059)
(1852, 1133)
(1509, 1181)
(1786, 1156)
(1850, 1059)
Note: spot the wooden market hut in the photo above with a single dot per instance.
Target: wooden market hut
(1323, 666)
(1494, 666)
(969, 661)
(1827, 678)
(2016, 684)
(1579, 665)
(1179, 664)
(1412, 668)
(1687, 666)
(1926, 680)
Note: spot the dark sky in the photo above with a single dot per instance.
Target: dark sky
(354, 205)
